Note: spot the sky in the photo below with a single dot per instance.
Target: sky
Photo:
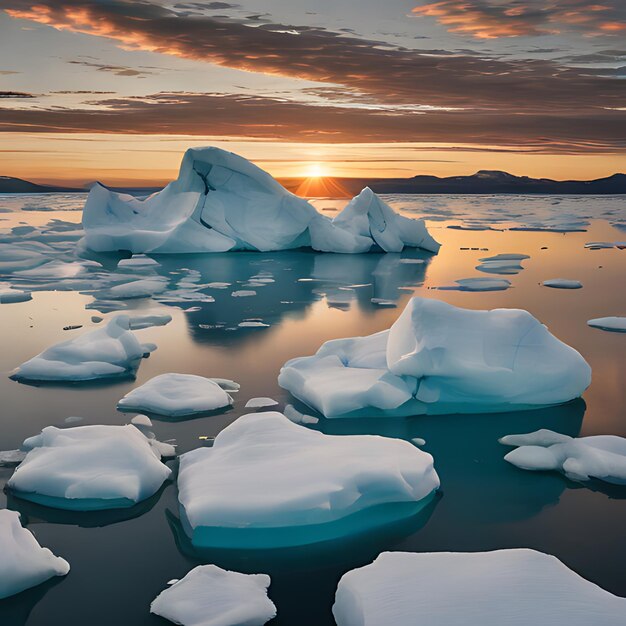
(117, 90)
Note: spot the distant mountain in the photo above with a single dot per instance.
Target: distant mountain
(483, 182)
(17, 185)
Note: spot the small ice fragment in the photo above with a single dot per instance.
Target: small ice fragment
(243, 293)
(138, 322)
(562, 283)
(141, 420)
(257, 403)
(615, 323)
(72, 419)
(96, 319)
(383, 302)
(418, 441)
(253, 325)
(9, 458)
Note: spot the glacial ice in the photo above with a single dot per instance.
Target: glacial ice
(220, 202)
(90, 467)
(23, 562)
(176, 395)
(211, 596)
(613, 323)
(515, 587)
(562, 283)
(437, 358)
(106, 352)
(505, 263)
(580, 458)
(269, 482)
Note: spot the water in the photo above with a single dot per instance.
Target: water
(122, 559)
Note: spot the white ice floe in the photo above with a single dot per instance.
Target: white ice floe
(478, 284)
(176, 395)
(23, 562)
(220, 201)
(12, 296)
(90, 467)
(243, 293)
(599, 245)
(211, 596)
(105, 352)
(141, 420)
(257, 403)
(138, 263)
(615, 323)
(598, 456)
(514, 587)
(253, 324)
(23, 255)
(502, 263)
(142, 288)
(563, 283)
(138, 322)
(267, 481)
(437, 358)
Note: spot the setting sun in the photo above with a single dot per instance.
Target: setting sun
(315, 170)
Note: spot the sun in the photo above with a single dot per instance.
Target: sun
(315, 170)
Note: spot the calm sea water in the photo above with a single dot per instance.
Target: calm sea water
(121, 560)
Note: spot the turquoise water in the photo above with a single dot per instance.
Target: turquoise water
(122, 559)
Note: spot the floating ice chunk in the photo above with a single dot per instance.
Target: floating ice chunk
(73, 419)
(599, 245)
(257, 403)
(418, 441)
(599, 456)
(9, 458)
(141, 420)
(616, 323)
(562, 283)
(383, 302)
(106, 352)
(478, 284)
(138, 322)
(220, 201)
(142, 288)
(513, 587)
(242, 293)
(502, 264)
(253, 324)
(437, 358)
(11, 296)
(138, 263)
(292, 414)
(269, 482)
(211, 596)
(176, 395)
(24, 562)
(22, 256)
(218, 285)
(90, 467)
(227, 384)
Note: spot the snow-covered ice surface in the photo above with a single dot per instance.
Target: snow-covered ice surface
(615, 323)
(211, 596)
(23, 562)
(512, 587)
(90, 468)
(111, 351)
(220, 202)
(580, 458)
(268, 482)
(437, 358)
(176, 395)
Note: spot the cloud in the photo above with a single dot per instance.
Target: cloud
(267, 118)
(491, 19)
(389, 74)
(118, 70)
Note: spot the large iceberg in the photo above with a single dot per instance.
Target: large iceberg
(437, 358)
(513, 587)
(23, 562)
(211, 596)
(89, 468)
(221, 201)
(580, 458)
(269, 482)
(112, 351)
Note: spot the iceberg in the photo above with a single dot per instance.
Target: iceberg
(24, 562)
(268, 482)
(580, 458)
(176, 395)
(616, 323)
(112, 351)
(438, 358)
(211, 596)
(89, 468)
(221, 201)
(515, 587)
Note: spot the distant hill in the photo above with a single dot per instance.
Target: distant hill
(484, 181)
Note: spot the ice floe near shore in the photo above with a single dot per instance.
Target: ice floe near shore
(88, 468)
(221, 201)
(580, 458)
(23, 562)
(614, 323)
(513, 587)
(176, 395)
(211, 596)
(437, 358)
(108, 352)
(269, 482)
